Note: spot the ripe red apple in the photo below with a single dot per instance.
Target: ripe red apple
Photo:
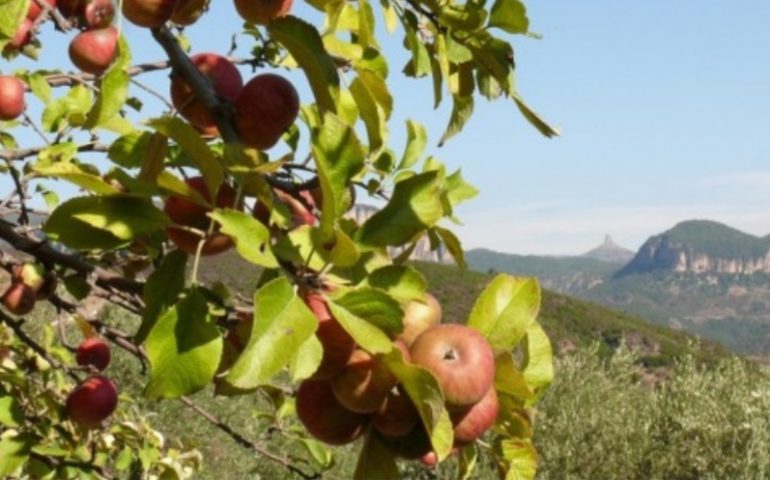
(460, 358)
(471, 423)
(93, 351)
(19, 299)
(93, 51)
(265, 108)
(418, 317)
(262, 11)
(189, 11)
(363, 384)
(184, 212)
(98, 13)
(324, 417)
(337, 343)
(34, 10)
(11, 97)
(398, 417)
(92, 401)
(224, 78)
(149, 13)
(301, 213)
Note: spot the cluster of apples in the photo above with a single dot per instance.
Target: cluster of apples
(187, 215)
(30, 282)
(353, 389)
(95, 398)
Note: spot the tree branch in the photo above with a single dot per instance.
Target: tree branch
(23, 153)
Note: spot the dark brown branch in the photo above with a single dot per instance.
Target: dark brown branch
(24, 215)
(47, 254)
(243, 441)
(23, 153)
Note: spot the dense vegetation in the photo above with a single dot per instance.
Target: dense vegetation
(716, 239)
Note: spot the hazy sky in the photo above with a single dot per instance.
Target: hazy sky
(664, 108)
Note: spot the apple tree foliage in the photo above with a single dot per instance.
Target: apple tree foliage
(108, 241)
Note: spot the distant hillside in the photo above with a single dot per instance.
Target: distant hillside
(701, 246)
(611, 252)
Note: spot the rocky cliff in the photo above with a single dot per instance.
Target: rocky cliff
(699, 246)
(611, 252)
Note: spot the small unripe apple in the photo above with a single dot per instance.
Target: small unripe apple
(92, 401)
(363, 384)
(265, 108)
(471, 423)
(398, 417)
(224, 78)
(461, 360)
(93, 351)
(184, 212)
(93, 51)
(262, 12)
(337, 343)
(418, 317)
(99, 13)
(19, 299)
(324, 417)
(11, 97)
(189, 11)
(149, 13)
(34, 10)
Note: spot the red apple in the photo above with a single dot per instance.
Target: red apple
(19, 299)
(34, 10)
(418, 317)
(262, 11)
(98, 13)
(398, 417)
(337, 343)
(471, 423)
(21, 37)
(149, 13)
(224, 78)
(324, 417)
(189, 11)
(93, 51)
(93, 351)
(460, 358)
(92, 401)
(265, 108)
(363, 384)
(11, 97)
(184, 212)
(301, 214)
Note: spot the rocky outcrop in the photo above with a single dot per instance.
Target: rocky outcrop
(610, 252)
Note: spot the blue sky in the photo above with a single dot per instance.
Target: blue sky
(664, 109)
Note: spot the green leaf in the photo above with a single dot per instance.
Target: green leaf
(512, 419)
(319, 452)
(304, 43)
(458, 190)
(344, 253)
(113, 93)
(252, 239)
(162, 290)
(77, 175)
(154, 158)
(416, 140)
(534, 119)
(12, 13)
(509, 379)
(424, 391)
(521, 459)
(282, 325)
(85, 223)
(452, 244)
(11, 413)
(377, 307)
(40, 87)
(462, 109)
(366, 334)
(403, 283)
(505, 310)
(538, 359)
(376, 129)
(184, 348)
(375, 83)
(494, 55)
(339, 157)
(375, 461)
(307, 359)
(14, 451)
(466, 462)
(129, 150)
(191, 143)
(509, 15)
(414, 206)
(365, 24)
(420, 63)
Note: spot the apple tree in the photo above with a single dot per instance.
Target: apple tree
(338, 327)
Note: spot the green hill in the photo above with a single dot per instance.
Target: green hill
(717, 240)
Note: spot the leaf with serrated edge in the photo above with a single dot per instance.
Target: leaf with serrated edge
(504, 311)
(252, 239)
